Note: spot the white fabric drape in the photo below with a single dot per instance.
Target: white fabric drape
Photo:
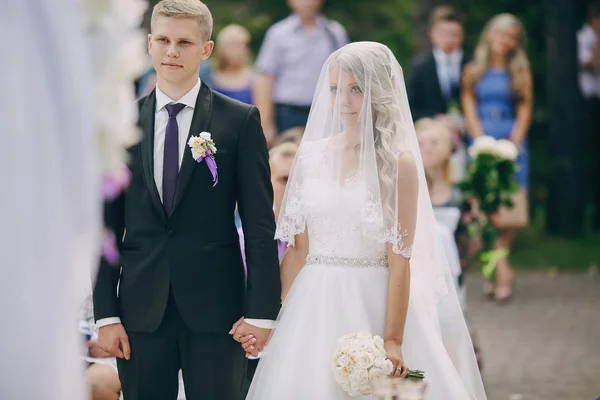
(50, 209)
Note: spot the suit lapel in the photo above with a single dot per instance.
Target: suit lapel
(147, 115)
(199, 124)
(437, 88)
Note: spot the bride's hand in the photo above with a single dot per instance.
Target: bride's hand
(394, 354)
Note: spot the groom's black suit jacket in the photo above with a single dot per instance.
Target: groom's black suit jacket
(195, 252)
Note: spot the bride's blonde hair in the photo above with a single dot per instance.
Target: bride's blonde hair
(375, 67)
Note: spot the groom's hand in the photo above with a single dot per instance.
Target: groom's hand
(113, 339)
(252, 338)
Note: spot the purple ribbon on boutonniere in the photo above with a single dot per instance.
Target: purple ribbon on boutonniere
(211, 164)
(204, 149)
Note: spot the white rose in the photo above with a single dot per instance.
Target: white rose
(507, 150)
(358, 379)
(364, 335)
(341, 374)
(365, 388)
(353, 389)
(346, 386)
(205, 135)
(378, 340)
(196, 155)
(385, 365)
(365, 359)
(376, 373)
(482, 145)
(358, 375)
(343, 361)
(378, 351)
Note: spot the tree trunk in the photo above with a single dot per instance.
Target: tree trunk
(566, 202)
(424, 8)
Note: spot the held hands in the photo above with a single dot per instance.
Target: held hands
(394, 354)
(95, 351)
(113, 340)
(252, 338)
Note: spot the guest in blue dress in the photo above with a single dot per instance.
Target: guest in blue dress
(497, 101)
(232, 75)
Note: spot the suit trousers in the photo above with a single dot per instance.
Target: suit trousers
(213, 365)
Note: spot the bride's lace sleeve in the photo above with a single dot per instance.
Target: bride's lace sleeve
(406, 204)
(292, 215)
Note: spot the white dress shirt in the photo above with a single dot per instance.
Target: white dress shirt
(184, 123)
(448, 68)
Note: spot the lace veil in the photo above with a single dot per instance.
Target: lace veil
(360, 126)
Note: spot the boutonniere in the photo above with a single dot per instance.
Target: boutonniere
(203, 149)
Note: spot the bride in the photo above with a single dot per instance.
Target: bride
(362, 252)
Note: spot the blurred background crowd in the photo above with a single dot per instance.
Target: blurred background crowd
(526, 71)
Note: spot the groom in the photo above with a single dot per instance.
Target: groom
(180, 287)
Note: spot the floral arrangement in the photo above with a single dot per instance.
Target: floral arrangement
(490, 182)
(204, 149)
(359, 360)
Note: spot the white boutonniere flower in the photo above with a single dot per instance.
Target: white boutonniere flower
(203, 148)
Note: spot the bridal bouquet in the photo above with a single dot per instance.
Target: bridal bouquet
(490, 182)
(361, 359)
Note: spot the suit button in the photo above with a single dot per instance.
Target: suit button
(171, 232)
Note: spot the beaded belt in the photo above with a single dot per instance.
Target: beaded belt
(363, 262)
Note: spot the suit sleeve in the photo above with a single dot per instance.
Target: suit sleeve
(255, 202)
(106, 301)
(414, 90)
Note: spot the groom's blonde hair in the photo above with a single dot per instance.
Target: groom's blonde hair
(194, 9)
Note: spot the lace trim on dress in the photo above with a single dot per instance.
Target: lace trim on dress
(372, 226)
(293, 221)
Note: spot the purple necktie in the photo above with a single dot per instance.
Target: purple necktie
(171, 157)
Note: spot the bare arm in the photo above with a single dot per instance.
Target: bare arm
(262, 90)
(399, 265)
(398, 294)
(293, 261)
(523, 113)
(469, 106)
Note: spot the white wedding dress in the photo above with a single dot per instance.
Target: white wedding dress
(343, 289)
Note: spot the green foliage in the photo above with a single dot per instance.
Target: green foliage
(535, 250)
(490, 182)
(390, 22)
